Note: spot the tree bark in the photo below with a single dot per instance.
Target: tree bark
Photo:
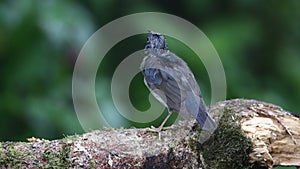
(250, 134)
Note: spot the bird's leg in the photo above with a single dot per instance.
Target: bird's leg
(163, 123)
(159, 129)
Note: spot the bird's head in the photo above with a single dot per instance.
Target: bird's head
(156, 41)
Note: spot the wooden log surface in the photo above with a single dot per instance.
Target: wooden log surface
(250, 134)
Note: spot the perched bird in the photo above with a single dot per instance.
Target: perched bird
(170, 81)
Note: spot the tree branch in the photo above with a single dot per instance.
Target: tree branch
(250, 134)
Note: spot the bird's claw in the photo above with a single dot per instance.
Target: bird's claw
(155, 130)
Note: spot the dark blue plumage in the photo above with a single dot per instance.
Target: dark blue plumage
(153, 76)
(171, 82)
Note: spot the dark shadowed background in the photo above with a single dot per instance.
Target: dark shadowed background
(258, 43)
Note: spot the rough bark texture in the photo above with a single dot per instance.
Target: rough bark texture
(250, 134)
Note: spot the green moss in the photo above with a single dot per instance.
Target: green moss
(68, 137)
(58, 160)
(92, 164)
(227, 147)
(13, 156)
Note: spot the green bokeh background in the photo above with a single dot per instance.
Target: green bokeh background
(258, 43)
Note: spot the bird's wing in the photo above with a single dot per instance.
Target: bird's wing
(169, 79)
(164, 87)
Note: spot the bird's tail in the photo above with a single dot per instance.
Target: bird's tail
(205, 121)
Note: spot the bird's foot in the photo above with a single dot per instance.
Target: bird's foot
(155, 130)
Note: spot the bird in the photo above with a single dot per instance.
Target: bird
(172, 83)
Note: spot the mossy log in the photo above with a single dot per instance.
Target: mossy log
(250, 134)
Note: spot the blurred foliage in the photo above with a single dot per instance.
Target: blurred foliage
(258, 42)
